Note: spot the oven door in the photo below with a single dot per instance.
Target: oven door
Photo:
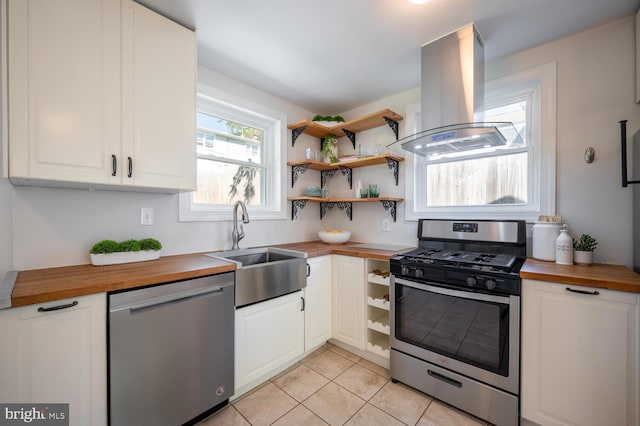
(470, 333)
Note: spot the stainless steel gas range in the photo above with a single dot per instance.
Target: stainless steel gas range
(455, 315)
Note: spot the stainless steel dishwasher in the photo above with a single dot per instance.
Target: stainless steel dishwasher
(171, 351)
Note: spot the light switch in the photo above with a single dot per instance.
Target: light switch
(146, 216)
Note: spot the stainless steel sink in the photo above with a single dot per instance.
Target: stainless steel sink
(265, 272)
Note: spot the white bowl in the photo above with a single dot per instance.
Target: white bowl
(334, 236)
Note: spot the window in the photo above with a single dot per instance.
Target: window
(516, 180)
(239, 157)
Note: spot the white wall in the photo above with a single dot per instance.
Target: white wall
(57, 227)
(596, 89)
(42, 227)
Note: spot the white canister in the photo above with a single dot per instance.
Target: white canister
(544, 240)
(564, 247)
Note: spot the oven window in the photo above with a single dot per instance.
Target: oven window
(470, 331)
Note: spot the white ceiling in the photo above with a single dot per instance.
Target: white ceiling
(333, 55)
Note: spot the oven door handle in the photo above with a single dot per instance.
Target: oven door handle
(455, 293)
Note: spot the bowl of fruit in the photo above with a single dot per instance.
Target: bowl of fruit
(334, 236)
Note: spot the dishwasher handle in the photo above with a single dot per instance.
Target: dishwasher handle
(163, 300)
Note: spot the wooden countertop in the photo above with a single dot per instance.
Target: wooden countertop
(46, 285)
(611, 277)
(50, 284)
(318, 248)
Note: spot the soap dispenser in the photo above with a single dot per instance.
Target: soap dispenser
(564, 247)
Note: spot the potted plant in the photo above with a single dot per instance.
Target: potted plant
(330, 149)
(583, 249)
(327, 120)
(109, 252)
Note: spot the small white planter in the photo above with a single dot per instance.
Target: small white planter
(583, 257)
(328, 124)
(124, 257)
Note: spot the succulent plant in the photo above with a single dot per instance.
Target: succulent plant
(585, 243)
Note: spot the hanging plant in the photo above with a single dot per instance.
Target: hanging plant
(246, 174)
(330, 149)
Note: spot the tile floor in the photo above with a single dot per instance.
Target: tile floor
(335, 387)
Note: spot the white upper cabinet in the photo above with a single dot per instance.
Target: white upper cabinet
(100, 93)
(159, 111)
(64, 89)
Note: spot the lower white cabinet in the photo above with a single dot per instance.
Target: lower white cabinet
(348, 294)
(57, 356)
(268, 335)
(317, 314)
(580, 360)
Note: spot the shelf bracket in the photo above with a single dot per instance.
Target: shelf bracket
(295, 133)
(347, 172)
(295, 205)
(345, 206)
(393, 124)
(394, 165)
(324, 174)
(298, 170)
(390, 205)
(352, 137)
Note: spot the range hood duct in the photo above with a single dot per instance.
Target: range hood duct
(453, 99)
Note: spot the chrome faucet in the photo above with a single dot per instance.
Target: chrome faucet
(235, 235)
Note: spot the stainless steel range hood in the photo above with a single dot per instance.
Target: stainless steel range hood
(453, 99)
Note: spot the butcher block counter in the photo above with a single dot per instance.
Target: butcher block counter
(611, 277)
(50, 284)
(45, 285)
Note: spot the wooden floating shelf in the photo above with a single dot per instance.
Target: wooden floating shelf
(347, 128)
(328, 169)
(352, 164)
(345, 204)
(346, 200)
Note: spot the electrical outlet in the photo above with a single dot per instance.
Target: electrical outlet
(386, 226)
(146, 216)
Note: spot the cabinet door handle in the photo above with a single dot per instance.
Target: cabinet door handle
(114, 165)
(308, 270)
(303, 304)
(590, 293)
(130, 167)
(58, 307)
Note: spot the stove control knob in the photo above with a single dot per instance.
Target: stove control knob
(471, 281)
(404, 270)
(418, 273)
(490, 284)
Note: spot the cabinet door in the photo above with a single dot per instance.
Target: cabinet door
(64, 89)
(348, 300)
(579, 355)
(158, 89)
(57, 356)
(268, 335)
(317, 315)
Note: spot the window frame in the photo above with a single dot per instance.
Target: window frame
(540, 84)
(215, 102)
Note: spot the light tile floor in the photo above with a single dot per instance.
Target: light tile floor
(333, 386)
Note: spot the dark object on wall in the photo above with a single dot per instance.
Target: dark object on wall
(636, 188)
